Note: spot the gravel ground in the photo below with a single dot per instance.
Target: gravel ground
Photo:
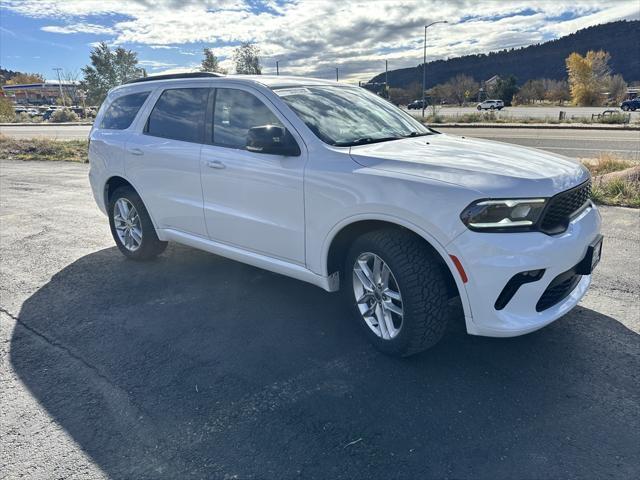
(193, 366)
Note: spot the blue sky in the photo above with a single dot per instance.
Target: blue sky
(308, 37)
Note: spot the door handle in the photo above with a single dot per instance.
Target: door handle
(216, 164)
(135, 151)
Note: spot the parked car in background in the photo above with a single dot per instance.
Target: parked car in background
(633, 105)
(333, 185)
(417, 105)
(491, 105)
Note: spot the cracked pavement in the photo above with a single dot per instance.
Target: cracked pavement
(194, 366)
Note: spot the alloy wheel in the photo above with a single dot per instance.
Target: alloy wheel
(127, 224)
(377, 295)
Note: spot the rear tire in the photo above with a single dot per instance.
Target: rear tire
(131, 226)
(416, 276)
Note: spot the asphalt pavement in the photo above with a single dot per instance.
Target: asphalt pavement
(194, 366)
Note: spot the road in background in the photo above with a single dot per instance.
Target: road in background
(571, 143)
(195, 366)
(515, 113)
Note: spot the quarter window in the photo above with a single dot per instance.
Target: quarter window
(236, 111)
(179, 114)
(122, 111)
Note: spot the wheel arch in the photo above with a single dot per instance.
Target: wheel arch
(341, 237)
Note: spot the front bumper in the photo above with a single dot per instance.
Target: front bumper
(492, 259)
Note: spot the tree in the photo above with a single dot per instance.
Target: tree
(22, 78)
(588, 77)
(505, 89)
(247, 60)
(617, 88)
(532, 91)
(556, 90)
(109, 69)
(461, 88)
(210, 62)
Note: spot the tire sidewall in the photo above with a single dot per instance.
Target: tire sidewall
(150, 241)
(399, 344)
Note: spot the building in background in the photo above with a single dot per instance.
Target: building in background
(49, 92)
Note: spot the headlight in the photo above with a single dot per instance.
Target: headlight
(512, 214)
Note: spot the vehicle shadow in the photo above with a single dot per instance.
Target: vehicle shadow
(196, 366)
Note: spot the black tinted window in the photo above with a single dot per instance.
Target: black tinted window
(237, 111)
(123, 110)
(179, 114)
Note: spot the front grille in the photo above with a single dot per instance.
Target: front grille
(563, 207)
(558, 290)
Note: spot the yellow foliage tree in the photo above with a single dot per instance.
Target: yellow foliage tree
(588, 77)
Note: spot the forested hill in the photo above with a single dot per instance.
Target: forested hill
(546, 60)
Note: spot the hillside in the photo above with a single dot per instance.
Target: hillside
(546, 60)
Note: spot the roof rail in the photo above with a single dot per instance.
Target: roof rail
(170, 76)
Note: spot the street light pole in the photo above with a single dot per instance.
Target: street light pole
(277, 67)
(424, 64)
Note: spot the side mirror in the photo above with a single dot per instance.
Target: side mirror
(273, 140)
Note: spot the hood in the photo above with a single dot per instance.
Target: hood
(492, 168)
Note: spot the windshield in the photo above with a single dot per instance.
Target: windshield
(347, 116)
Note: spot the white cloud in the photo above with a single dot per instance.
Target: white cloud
(79, 28)
(312, 37)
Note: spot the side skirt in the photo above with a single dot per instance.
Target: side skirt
(330, 283)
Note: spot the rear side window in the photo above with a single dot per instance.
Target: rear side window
(122, 111)
(179, 114)
(236, 111)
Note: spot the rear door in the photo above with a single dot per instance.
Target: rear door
(163, 158)
(252, 200)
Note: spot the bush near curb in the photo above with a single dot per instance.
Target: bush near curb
(64, 115)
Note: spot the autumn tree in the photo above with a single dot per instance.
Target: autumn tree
(210, 62)
(247, 60)
(109, 69)
(588, 77)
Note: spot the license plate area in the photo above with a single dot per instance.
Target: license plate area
(592, 257)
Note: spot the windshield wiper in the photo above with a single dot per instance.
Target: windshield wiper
(365, 141)
(416, 134)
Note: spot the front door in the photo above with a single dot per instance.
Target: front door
(251, 200)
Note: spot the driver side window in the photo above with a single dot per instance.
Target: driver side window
(235, 112)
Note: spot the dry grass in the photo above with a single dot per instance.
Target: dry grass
(43, 149)
(619, 191)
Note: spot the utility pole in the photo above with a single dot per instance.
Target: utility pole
(386, 78)
(336, 74)
(277, 67)
(424, 65)
(57, 69)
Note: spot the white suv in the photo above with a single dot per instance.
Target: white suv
(491, 105)
(334, 186)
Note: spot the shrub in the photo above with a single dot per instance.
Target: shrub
(7, 114)
(64, 115)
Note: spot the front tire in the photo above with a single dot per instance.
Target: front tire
(397, 288)
(625, 108)
(131, 226)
